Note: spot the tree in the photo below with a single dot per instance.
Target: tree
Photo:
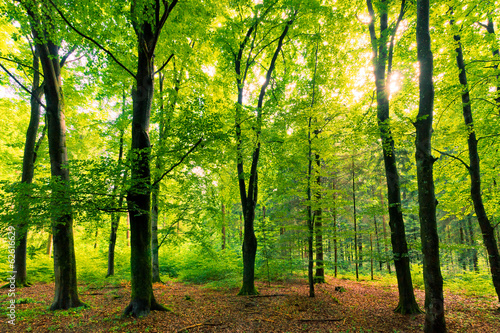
(487, 228)
(249, 196)
(433, 280)
(31, 146)
(382, 55)
(66, 293)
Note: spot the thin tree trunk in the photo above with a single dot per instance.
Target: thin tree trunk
(29, 158)
(487, 229)
(377, 241)
(223, 247)
(371, 256)
(249, 197)
(310, 215)
(491, 31)
(335, 235)
(472, 244)
(115, 217)
(355, 221)
(49, 245)
(434, 304)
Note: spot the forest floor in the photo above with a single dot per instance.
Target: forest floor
(364, 306)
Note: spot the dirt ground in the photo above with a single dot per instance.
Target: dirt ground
(285, 307)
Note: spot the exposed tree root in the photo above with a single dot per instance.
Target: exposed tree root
(68, 303)
(140, 308)
(413, 309)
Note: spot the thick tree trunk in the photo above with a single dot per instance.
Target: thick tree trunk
(487, 229)
(138, 197)
(434, 304)
(30, 150)
(66, 293)
(407, 303)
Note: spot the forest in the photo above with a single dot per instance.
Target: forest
(249, 166)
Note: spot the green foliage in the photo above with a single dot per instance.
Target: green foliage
(216, 268)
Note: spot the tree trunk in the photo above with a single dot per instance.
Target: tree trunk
(335, 246)
(310, 216)
(66, 293)
(249, 197)
(139, 194)
(434, 305)
(472, 244)
(115, 217)
(49, 245)
(491, 31)
(29, 158)
(318, 227)
(223, 247)
(487, 229)
(355, 221)
(384, 229)
(154, 234)
(407, 303)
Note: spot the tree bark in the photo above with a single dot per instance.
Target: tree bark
(139, 194)
(66, 293)
(335, 250)
(407, 303)
(223, 246)
(318, 227)
(487, 229)
(434, 304)
(354, 215)
(29, 158)
(115, 217)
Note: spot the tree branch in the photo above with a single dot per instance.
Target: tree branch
(165, 63)
(21, 64)
(65, 57)
(91, 39)
(454, 157)
(179, 162)
(393, 36)
(22, 86)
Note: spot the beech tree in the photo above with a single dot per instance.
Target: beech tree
(383, 48)
(434, 305)
(42, 26)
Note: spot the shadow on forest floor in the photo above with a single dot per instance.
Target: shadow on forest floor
(285, 307)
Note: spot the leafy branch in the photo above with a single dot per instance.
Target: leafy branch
(90, 39)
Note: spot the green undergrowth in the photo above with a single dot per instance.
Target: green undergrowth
(466, 283)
